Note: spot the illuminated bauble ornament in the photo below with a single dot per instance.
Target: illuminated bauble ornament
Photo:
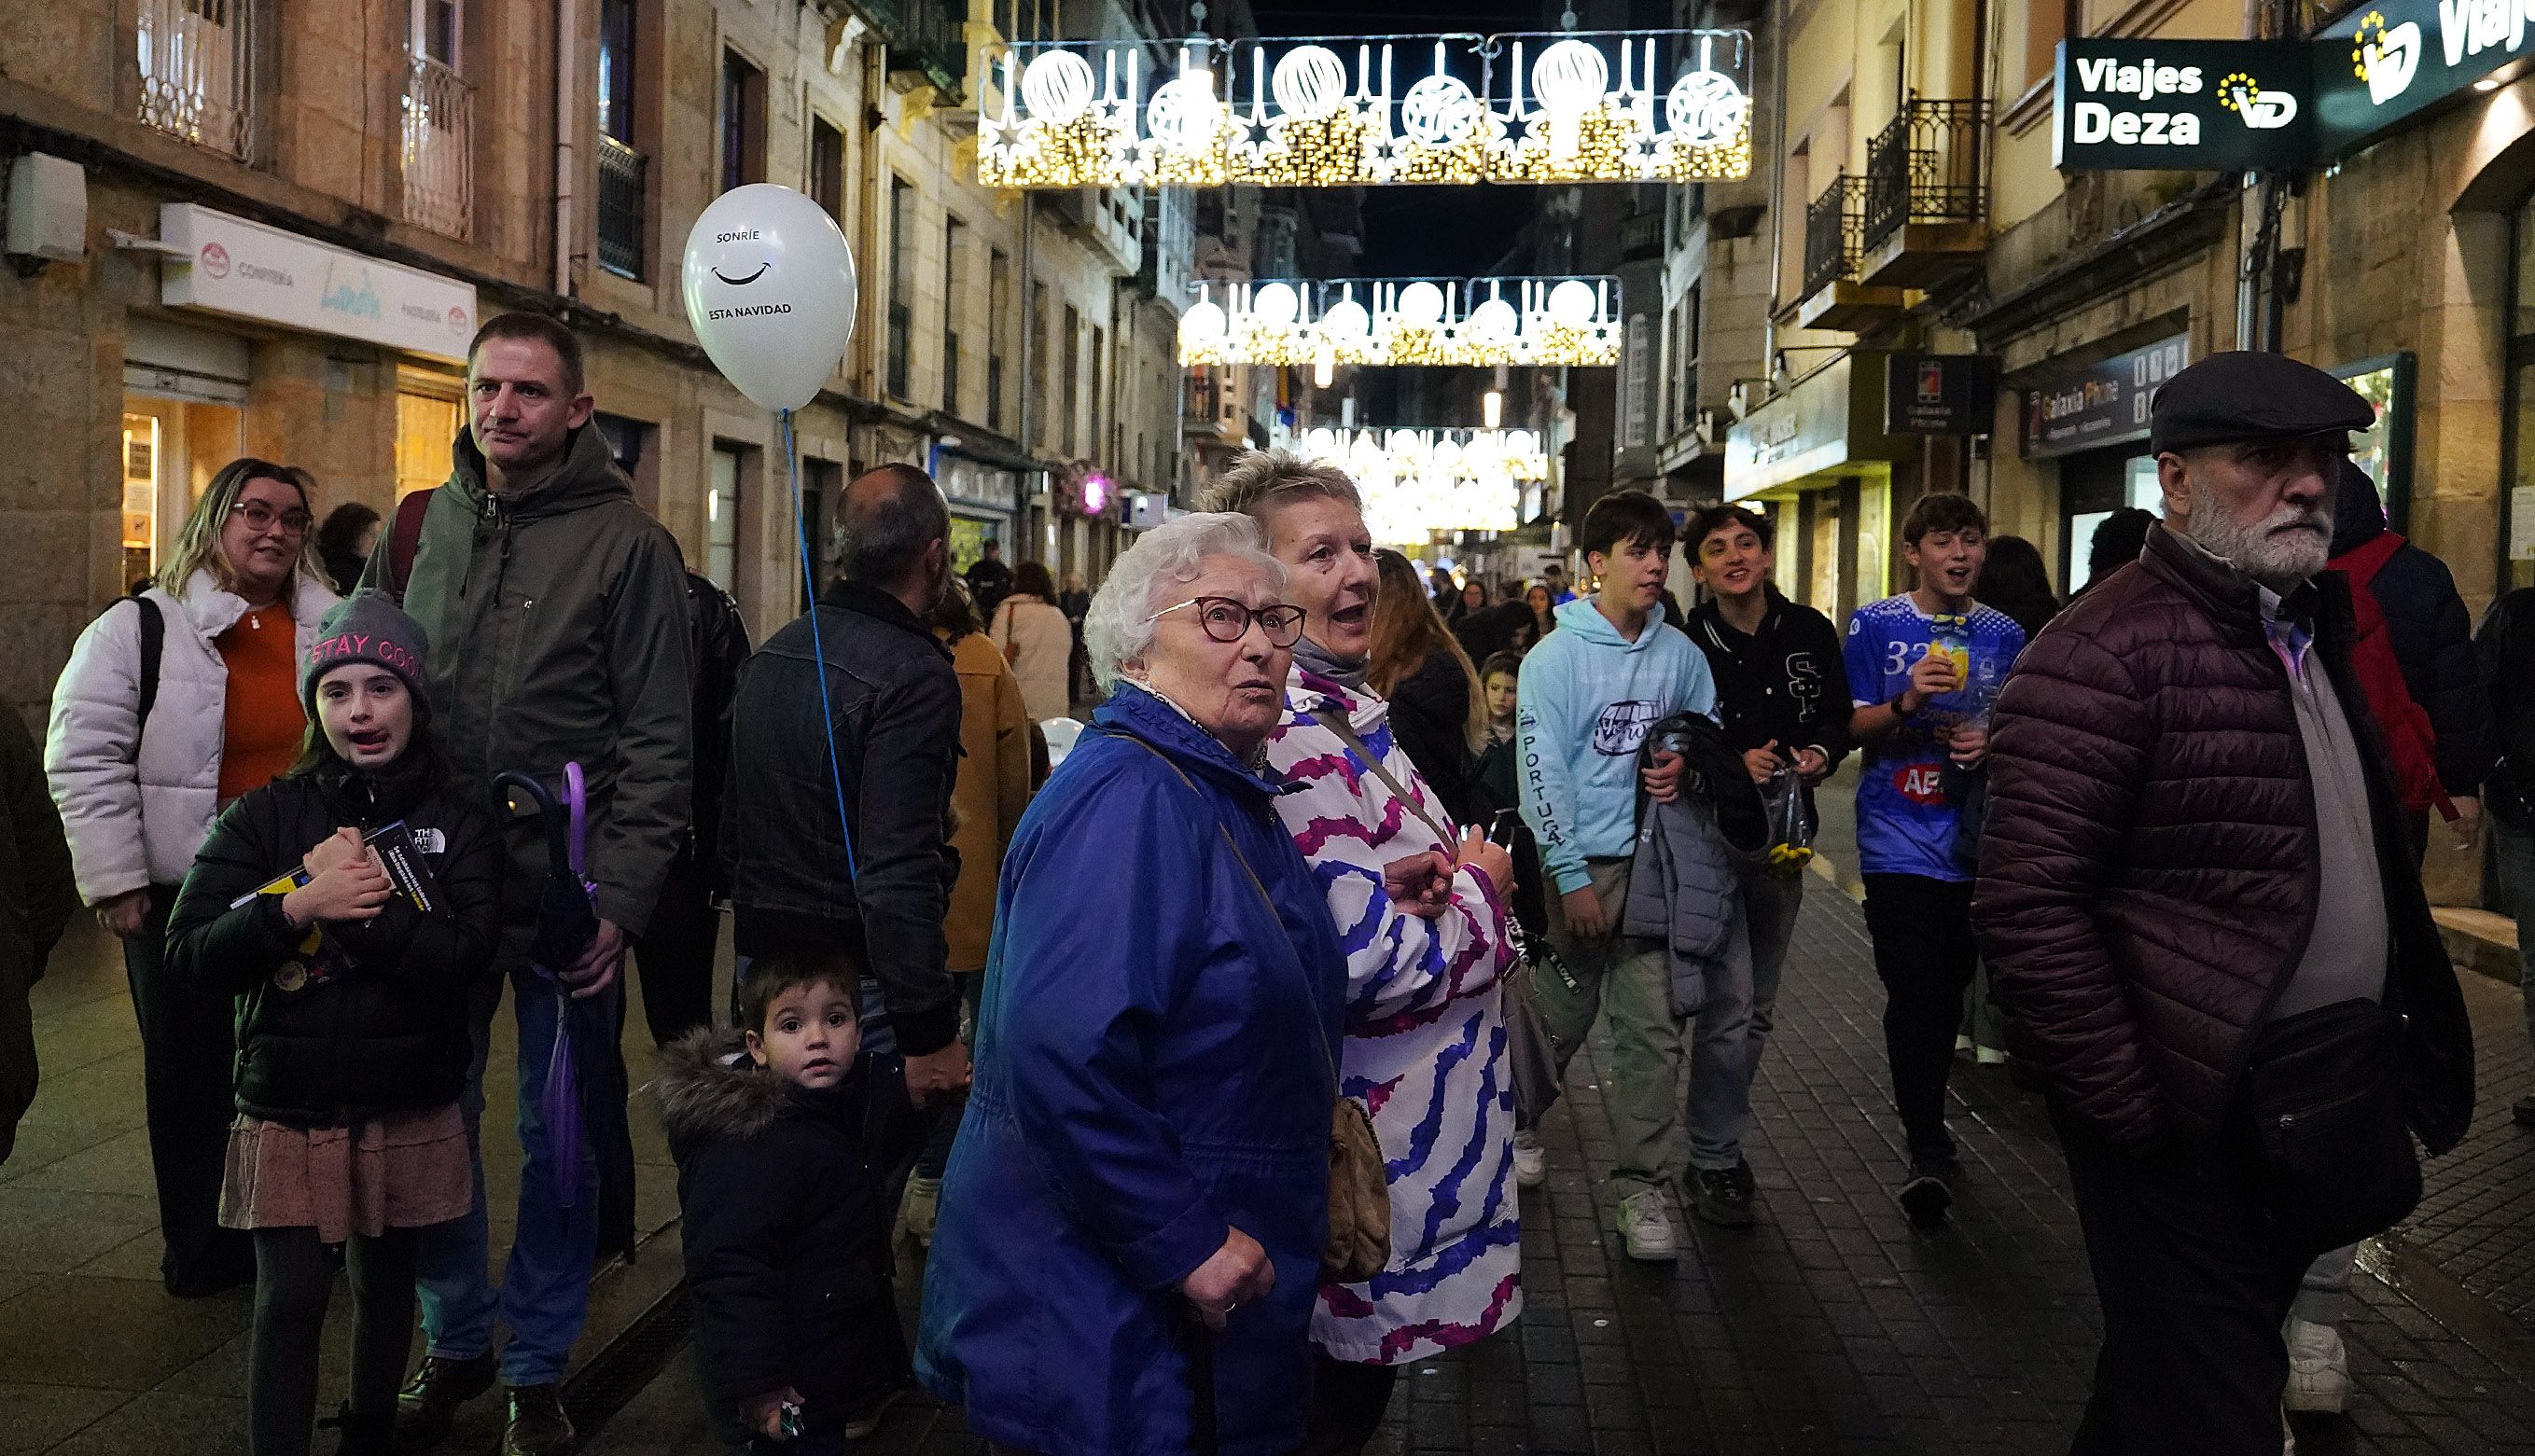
(1521, 443)
(1181, 115)
(1420, 305)
(1704, 107)
(1202, 324)
(1570, 77)
(1439, 110)
(1404, 445)
(1309, 83)
(1572, 303)
(1346, 319)
(1493, 321)
(1321, 443)
(1057, 87)
(1276, 304)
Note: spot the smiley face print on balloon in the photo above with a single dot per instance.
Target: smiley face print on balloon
(770, 291)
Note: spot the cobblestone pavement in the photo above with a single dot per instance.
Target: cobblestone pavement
(1833, 1327)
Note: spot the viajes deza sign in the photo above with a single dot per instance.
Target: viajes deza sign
(2228, 105)
(2390, 60)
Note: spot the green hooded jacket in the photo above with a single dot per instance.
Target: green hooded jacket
(558, 629)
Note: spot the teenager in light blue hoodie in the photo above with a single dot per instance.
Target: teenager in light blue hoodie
(1588, 694)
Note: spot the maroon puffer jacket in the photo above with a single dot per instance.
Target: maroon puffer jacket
(2147, 870)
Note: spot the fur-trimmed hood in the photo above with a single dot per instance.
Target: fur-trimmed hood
(708, 1088)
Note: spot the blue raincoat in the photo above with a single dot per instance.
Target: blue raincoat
(1151, 1072)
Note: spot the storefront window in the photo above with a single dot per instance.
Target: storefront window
(171, 448)
(428, 420)
(2517, 509)
(1873, 539)
(722, 522)
(1823, 593)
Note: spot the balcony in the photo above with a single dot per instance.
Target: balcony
(927, 43)
(439, 148)
(1834, 245)
(623, 193)
(1926, 210)
(198, 73)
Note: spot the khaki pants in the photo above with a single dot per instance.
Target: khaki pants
(1625, 975)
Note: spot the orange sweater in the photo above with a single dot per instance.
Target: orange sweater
(262, 724)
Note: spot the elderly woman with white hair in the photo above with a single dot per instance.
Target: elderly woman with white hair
(1138, 1198)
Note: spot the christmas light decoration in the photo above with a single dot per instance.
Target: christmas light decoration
(1476, 322)
(1416, 483)
(1605, 106)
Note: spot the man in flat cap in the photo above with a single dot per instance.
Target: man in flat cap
(2201, 916)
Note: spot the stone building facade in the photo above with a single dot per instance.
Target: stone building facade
(420, 165)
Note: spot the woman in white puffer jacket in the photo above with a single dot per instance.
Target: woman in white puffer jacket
(236, 605)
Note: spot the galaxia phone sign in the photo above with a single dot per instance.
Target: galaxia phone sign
(2181, 105)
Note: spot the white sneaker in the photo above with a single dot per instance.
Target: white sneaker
(1531, 1158)
(2288, 1437)
(1645, 1227)
(2318, 1368)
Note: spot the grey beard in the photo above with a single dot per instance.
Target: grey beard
(2279, 563)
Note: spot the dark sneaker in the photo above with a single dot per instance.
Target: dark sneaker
(1924, 1196)
(539, 1425)
(366, 1433)
(2522, 1113)
(1723, 1196)
(428, 1407)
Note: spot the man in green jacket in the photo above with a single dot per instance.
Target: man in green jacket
(557, 615)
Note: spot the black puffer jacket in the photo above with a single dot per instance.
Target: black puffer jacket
(2507, 647)
(785, 1231)
(1430, 715)
(2432, 632)
(390, 1032)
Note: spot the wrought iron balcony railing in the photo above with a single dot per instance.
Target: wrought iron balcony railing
(1926, 167)
(439, 148)
(198, 71)
(623, 188)
(1835, 233)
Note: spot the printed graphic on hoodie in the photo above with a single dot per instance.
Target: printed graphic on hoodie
(1905, 822)
(1621, 727)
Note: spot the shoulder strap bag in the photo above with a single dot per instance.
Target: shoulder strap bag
(1358, 1243)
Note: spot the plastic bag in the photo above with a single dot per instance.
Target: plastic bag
(1791, 838)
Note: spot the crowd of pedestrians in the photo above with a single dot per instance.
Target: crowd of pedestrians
(1268, 984)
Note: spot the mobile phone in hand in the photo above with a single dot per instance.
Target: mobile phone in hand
(1500, 830)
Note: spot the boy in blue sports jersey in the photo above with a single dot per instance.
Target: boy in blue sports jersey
(1923, 669)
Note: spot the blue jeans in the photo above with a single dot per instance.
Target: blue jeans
(544, 1298)
(1729, 1032)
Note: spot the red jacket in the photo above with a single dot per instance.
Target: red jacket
(2147, 871)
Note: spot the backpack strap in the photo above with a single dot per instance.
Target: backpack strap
(404, 538)
(153, 646)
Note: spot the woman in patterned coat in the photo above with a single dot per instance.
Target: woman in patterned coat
(1420, 913)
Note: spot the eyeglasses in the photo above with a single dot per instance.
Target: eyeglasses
(1228, 621)
(260, 517)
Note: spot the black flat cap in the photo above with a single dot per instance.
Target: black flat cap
(2242, 396)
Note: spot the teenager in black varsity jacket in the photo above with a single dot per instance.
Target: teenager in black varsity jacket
(1783, 698)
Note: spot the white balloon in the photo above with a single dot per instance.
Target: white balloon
(1057, 87)
(1276, 304)
(1421, 305)
(1346, 319)
(771, 292)
(1572, 303)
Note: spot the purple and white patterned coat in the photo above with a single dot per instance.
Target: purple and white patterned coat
(1425, 1042)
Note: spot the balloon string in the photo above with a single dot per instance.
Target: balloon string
(810, 581)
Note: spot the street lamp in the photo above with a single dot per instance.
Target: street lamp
(1492, 408)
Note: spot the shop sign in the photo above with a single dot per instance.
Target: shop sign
(2101, 404)
(1828, 424)
(249, 271)
(1939, 393)
(2387, 62)
(2181, 105)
